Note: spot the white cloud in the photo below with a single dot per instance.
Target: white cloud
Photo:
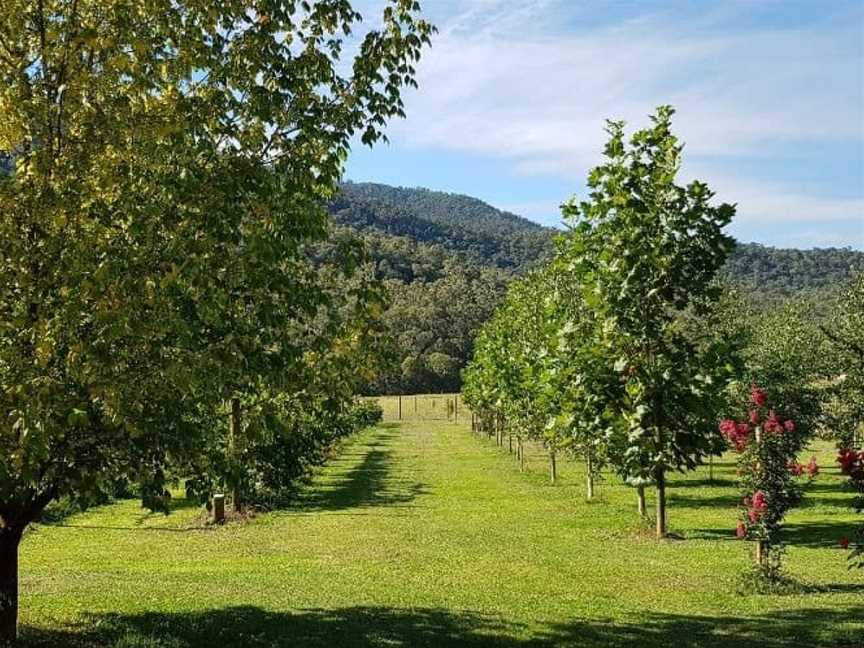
(508, 79)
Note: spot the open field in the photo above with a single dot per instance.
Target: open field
(423, 407)
(420, 534)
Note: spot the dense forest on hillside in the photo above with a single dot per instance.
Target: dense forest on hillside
(446, 260)
(460, 223)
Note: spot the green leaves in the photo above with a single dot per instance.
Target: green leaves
(171, 166)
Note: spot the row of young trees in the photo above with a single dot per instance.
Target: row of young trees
(599, 350)
(627, 349)
(168, 306)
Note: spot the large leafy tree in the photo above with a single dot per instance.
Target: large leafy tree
(646, 252)
(171, 160)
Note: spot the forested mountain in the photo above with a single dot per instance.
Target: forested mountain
(446, 260)
(785, 272)
(459, 223)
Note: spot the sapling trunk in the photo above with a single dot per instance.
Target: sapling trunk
(589, 475)
(661, 502)
(553, 472)
(235, 452)
(521, 454)
(510, 439)
(761, 545)
(640, 500)
(711, 469)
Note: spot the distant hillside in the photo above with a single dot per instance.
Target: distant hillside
(786, 272)
(487, 235)
(447, 259)
(459, 223)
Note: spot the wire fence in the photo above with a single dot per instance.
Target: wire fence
(424, 407)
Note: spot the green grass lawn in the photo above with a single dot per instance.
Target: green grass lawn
(421, 534)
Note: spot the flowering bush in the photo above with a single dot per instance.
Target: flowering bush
(768, 471)
(852, 464)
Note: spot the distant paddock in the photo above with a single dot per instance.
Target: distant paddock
(424, 407)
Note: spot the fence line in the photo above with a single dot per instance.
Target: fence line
(423, 407)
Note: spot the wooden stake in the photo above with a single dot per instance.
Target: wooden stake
(640, 501)
(218, 508)
(400, 407)
(553, 473)
(589, 470)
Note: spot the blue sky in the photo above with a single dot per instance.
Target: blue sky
(514, 93)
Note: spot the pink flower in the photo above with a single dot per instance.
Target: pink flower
(773, 425)
(812, 467)
(737, 433)
(754, 417)
(847, 458)
(795, 468)
(758, 396)
(754, 515)
(760, 502)
(789, 424)
(740, 530)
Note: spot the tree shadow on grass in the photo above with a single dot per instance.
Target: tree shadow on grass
(369, 483)
(810, 534)
(368, 627)
(710, 501)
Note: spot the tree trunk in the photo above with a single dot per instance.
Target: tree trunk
(711, 469)
(589, 476)
(553, 472)
(235, 452)
(521, 453)
(661, 503)
(640, 501)
(761, 545)
(9, 541)
(510, 439)
(761, 553)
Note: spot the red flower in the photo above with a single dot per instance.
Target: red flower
(843, 542)
(760, 502)
(754, 417)
(737, 433)
(795, 468)
(758, 396)
(847, 458)
(727, 427)
(812, 467)
(773, 425)
(741, 530)
(789, 424)
(754, 515)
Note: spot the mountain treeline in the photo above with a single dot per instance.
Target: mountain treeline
(446, 260)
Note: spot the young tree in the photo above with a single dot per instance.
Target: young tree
(845, 333)
(171, 160)
(646, 251)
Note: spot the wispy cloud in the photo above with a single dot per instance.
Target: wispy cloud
(524, 82)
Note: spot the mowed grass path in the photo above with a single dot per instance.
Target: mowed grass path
(420, 534)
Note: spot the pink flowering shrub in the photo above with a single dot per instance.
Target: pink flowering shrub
(768, 470)
(852, 465)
